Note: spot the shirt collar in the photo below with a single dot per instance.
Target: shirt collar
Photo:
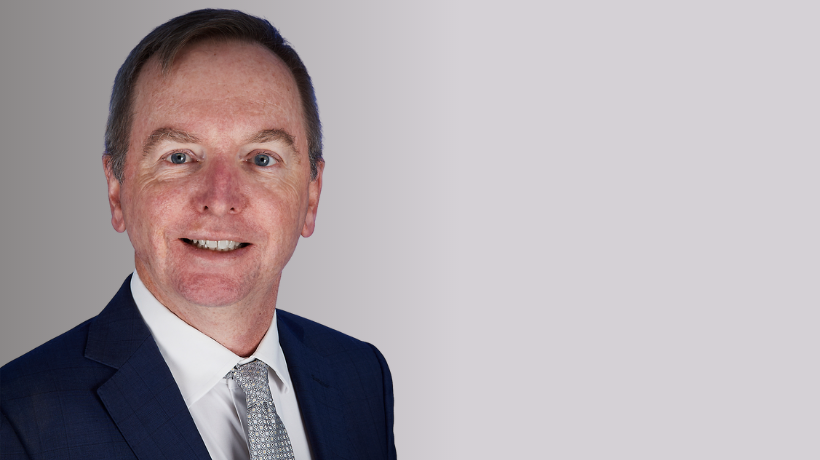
(197, 361)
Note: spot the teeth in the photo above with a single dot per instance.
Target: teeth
(221, 245)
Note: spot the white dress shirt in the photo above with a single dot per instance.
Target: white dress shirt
(199, 365)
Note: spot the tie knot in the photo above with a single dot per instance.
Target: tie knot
(252, 377)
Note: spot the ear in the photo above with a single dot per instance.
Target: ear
(314, 190)
(114, 201)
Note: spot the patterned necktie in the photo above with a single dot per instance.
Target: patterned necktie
(268, 439)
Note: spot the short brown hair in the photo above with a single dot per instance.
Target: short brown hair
(168, 39)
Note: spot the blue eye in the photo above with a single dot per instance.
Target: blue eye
(262, 160)
(178, 158)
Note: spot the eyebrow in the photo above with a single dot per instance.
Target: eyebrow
(271, 135)
(162, 134)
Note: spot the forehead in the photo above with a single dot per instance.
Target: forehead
(218, 84)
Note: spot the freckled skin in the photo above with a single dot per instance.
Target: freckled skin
(223, 94)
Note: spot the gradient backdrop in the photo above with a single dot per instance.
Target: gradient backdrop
(577, 230)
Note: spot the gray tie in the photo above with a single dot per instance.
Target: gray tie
(268, 439)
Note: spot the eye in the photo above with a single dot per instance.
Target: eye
(262, 160)
(179, 158)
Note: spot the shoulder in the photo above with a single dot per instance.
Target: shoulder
(62, 369)
(318, 336)
(64, 362)
(326, 341)
(354, 372)
(50, 388)
(48, 367)
(337, 348)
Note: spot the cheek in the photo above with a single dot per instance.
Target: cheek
(278, 214)
(149, 213)
(287, 207)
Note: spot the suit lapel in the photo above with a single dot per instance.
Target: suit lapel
(320, 402)
(141, 397)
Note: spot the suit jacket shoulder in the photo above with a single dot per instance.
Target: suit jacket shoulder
(344, 388)
(33, 390)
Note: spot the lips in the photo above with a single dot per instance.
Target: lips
(215, 245)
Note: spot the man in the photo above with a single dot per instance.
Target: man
(214, 168)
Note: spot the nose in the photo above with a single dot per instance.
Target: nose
(220, 189)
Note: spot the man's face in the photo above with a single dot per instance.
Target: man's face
(218, 152)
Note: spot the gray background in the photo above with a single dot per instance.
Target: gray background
(578, 230)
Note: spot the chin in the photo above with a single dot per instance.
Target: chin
(213, 291)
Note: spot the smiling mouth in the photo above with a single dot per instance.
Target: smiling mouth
(220, 245)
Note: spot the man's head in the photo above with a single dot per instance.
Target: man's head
(219, 153)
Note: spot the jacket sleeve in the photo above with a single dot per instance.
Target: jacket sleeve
(10, 446)
(387, 384)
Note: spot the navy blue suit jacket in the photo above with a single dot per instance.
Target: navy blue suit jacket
(103, 391)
